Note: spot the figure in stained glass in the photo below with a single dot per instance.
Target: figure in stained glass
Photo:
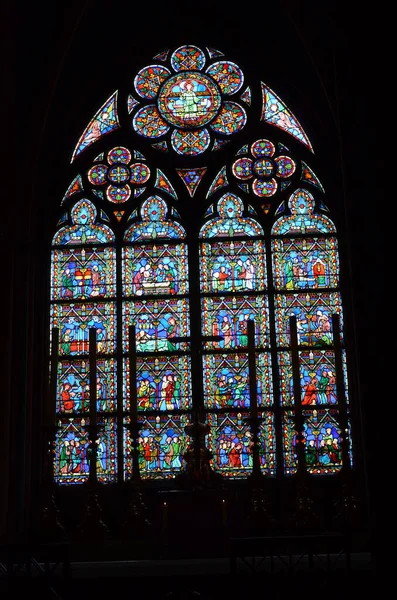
(139, 275)
(146, 394)
(157, 323)
(305, 263)
(232, 444)
(73, 456)
(189, 99)
(322, 440)
(84, 273)
(161, 445)
(231, 391)
(226, 380)
(153, 277)
(105, 121)
(322, 448)
(73, 393)
(167, 374)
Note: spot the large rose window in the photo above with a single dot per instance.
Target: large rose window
(189, 103)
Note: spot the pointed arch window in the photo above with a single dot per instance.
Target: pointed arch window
(306, 276)
(155, 288)
(265, 250)
(83, 294)
(109, 281)
(233, 283)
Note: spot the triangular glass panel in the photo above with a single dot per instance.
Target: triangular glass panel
(244, 186)
(74, 187)
(100, 157)
(279, 210)
(284, 185)
(163, 184)
(191, 178)
(251, 210)
(308, 176)
(276, 113)
(138, 191)
(322, 206)
(133, 215)
(282, 148)
(131, 103)
(265, 208)
(246, 96)
(119, 214)
(105, 121)
(162, 146)
(138, 155)
(98, 193)
(219, 182)
(219, 144)
(162, 55)
(175, 213)
(104, 216)
(243, 150)
(209, 211)
(214, 53)
(63, 218)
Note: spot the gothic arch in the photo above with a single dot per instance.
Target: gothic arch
(225, 222)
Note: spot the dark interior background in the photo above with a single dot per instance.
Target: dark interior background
(61, 61)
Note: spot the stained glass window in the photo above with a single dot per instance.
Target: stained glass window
(233, 282)
(305, 264)
(83, 293)
(154, 292)
(201, 246)
(188, 101)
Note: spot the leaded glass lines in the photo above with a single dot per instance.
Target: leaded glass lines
(233, 284)
(201, 271)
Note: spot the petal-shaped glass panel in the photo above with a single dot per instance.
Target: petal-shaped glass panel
(147, 122)
(228, 76)
(264, 189)
(231, 119)
(190, 143)
(118, 194)
(242, 168)
(188, 58)
(119, 155)
(148, 81)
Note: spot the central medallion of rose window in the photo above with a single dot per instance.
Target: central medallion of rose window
(189, 99)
